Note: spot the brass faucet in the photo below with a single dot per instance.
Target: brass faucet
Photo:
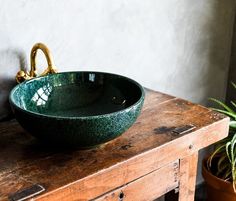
(23, 75)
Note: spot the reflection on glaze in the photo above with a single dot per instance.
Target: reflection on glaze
(41, 95)
(77, 94)
(91, 77)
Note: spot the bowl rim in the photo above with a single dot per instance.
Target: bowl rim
(11, 99)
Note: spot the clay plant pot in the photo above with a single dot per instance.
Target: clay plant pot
(217, 189)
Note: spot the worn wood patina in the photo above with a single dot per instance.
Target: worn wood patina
(156, 150)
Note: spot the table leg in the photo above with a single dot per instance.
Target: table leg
(188, 173)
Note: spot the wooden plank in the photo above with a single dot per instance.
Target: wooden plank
(146, 146)
(8, 184)
(133, 168)
(188, 173)
(148, 187)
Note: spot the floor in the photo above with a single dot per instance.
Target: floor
(200, 194)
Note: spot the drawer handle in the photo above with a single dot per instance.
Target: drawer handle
(27, 193)
(184, 129)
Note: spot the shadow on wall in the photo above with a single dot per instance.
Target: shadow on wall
(220, 40)
(206, 54)
(231, 91)
(11, 61)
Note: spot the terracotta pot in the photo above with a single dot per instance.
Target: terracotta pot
(217, 189)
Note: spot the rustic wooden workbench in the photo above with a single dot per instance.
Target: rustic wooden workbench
(154, 156)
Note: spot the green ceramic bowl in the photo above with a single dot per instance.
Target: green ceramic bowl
(82, 109)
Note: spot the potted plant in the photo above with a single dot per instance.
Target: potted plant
(219, 169)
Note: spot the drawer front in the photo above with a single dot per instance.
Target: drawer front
(148, 187)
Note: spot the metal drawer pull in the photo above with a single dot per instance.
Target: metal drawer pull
(27, 193)
(184, 129)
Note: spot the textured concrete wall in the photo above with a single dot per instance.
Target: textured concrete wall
(180, 47)
(231, 91)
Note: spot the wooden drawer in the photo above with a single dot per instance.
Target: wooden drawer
(148, 187)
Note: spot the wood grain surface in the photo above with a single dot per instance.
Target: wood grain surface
(188, 170)
(86, 174)
(151, 186)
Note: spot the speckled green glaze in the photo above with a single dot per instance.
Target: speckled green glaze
(81, 109)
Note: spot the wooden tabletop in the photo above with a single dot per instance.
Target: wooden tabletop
(85, 174)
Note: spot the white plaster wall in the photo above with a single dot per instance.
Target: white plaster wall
(180, 47)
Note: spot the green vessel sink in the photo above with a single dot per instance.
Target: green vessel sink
(81, 109)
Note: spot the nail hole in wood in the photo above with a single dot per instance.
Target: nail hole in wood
(121, 196)
(190, 146)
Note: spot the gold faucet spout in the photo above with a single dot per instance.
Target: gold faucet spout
(24, 75)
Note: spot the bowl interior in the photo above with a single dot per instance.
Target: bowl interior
(76, 94)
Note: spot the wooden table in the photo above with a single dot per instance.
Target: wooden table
(157, 154)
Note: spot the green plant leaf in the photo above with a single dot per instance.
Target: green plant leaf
(227, 174)
(230, 150)
(234, 85)
(233, 103)
(232, 124)
(209, 161)
(222, 105)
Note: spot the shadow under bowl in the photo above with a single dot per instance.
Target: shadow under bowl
(81, 109)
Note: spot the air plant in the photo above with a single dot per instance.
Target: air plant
(225, 152)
